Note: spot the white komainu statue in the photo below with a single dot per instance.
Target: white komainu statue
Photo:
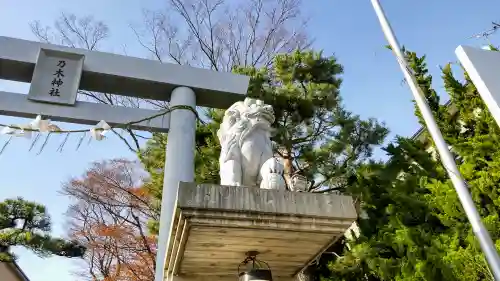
(246, 156)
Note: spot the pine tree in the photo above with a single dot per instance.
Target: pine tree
(473, 135)
(415, 228)
(398, 225)
(317, 137)
(314, 134)
(27, 224)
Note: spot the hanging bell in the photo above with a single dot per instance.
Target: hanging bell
(255, 270)
(256, 275)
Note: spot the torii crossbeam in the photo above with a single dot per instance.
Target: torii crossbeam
(57, 72)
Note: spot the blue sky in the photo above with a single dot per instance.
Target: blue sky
(372, 81)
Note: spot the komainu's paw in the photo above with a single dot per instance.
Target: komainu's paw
(272, 166)
(273, 181)
(271, 173)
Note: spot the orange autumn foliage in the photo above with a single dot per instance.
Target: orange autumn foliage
(109, 217)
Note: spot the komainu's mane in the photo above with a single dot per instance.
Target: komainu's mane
(239, 122)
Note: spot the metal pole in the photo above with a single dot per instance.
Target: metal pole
(447, 158)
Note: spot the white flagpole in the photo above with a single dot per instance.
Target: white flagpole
(447, 158)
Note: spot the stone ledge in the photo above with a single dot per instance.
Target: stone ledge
(251, 199)
(215, 225)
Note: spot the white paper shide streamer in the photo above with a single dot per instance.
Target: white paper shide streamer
(39, 127)
(7, 131)
(100, 130)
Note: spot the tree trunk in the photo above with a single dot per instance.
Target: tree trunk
(288, 166)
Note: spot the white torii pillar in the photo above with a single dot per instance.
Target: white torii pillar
(28, 61)
(179, 166)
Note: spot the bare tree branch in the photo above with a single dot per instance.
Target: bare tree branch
(215, 34)
(110, 218)
(220, 35)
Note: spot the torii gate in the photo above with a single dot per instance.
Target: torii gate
(57, 72)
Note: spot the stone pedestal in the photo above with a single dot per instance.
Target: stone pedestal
(215, 225)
